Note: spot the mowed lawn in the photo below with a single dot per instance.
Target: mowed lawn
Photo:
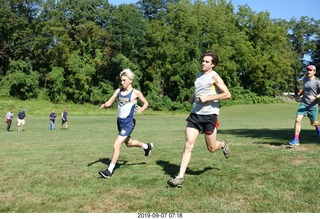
(57, 171)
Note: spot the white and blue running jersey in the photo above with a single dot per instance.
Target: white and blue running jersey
(125, 107)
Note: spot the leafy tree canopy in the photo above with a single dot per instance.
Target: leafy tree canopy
(74, 50)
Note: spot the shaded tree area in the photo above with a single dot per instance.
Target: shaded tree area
(74, 50)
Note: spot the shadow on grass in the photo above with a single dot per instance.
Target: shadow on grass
(277, 137)
(172, 169)
(120, 163)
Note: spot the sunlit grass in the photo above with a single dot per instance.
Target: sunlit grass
(56, 171)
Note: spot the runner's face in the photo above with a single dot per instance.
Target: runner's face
(125, 82)
(207, 64)
(310, 73)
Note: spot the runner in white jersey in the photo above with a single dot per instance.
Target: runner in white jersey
(209, 90)
(125, 106)
(127, 98)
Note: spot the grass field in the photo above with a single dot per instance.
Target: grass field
(56, 171)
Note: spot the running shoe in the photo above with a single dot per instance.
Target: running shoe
(294, 142)
(175, 182)
(225, 149)
(105, 173)
(148, 150)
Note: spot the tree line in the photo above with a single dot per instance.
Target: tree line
(74, 50)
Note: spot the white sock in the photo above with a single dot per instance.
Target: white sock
(111, 167)
(144, 146)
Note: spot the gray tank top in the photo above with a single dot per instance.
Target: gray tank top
(203, 86)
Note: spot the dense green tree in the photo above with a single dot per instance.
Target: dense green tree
(269, 65)
(178, 41)
(302, 34)
(226, 39)
(16, 30)
(169, 55)
(154, 9)
(20, 81)
(55, 84)
(79, 46)
(127, 30)
(74, 50)
(316, 54)
(7, 28)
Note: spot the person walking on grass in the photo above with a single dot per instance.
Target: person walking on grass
(21, 120)
(64, 119)
(52, 119)
(127, 98)
(209, 90)
(9, 117)
(309, 104)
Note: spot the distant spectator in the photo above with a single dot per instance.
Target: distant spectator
(21, 120)
(52, 119)
(64, 119)
(9, 118)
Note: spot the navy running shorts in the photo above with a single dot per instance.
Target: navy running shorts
(125, 126)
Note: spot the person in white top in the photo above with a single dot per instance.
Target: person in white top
(209, 90)
(9, 117)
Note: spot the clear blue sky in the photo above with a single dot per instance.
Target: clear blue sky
(284, 9)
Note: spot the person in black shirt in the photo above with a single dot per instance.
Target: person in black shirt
(64, 119)
(52, 119)
(21, 120)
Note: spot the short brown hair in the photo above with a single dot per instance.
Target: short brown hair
(214, 55)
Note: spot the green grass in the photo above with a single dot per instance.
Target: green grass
(56, 171)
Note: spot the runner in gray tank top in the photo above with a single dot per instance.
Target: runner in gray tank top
(309, 104)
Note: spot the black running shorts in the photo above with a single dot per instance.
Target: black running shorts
(204, 123)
